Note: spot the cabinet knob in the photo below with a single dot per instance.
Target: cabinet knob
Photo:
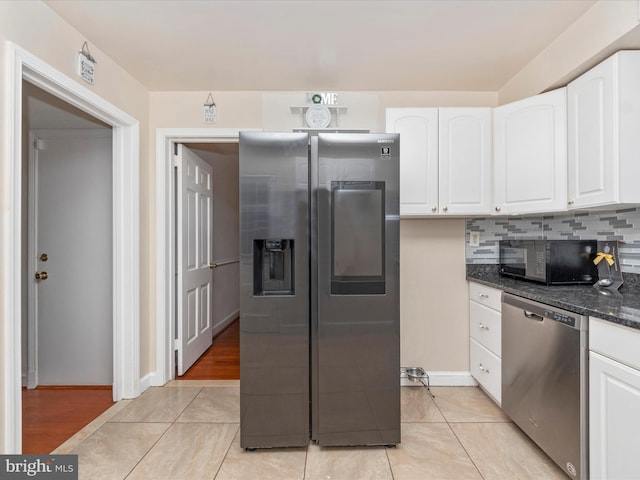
(498, 208)
(444, 209)
(570, 201)
(434, 209)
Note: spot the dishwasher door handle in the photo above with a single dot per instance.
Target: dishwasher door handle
(533, 316)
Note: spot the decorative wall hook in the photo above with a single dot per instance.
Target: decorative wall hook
(86, 64)
(210, 110)
(85, 51)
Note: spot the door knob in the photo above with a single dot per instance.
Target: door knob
(213, 265)
(44, 257)
(42, 275)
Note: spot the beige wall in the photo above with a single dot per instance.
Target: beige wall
(605, 28)
(434, 299)
(445, 343)
(34, 27)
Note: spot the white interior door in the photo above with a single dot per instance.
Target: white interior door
(70, 258)
(194, 257)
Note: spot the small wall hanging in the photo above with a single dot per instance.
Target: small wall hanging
(86, 64)
(210, 110)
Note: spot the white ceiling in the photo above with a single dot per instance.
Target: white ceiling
(307, 45)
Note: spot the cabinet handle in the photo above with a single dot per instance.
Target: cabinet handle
(483, 295)
(497, 208)
(485, 370)
(444, 209)
(434, 209)
(483, 327)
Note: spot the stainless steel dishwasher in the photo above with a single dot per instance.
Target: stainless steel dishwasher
(545, 379)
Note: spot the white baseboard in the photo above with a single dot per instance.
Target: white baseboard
(225, 323)
(149, 380)
(32, 379)
(436, 379)
(442, 379)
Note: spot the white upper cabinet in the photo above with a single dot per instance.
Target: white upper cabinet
(604, 133)
(445, 160)
(530, 154)
(465, 161)
(418, 129)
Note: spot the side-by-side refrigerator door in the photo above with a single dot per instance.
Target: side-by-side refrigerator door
(356, 332)
(274, 290)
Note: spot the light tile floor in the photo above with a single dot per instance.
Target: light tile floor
(190, 430)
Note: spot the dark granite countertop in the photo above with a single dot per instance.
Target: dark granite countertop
(619, 306)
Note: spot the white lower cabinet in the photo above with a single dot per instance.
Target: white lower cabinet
(485, 344)
(486, 368)
(614, 401)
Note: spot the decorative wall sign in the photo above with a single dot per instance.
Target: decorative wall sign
(86, 64)
(323, 98)
(210, 110)
(317, 116)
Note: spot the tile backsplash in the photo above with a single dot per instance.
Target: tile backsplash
(622, 225)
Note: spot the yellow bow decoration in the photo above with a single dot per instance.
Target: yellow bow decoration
(607, 256)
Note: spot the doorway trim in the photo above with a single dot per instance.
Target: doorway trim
(166, 138)
(126, 233)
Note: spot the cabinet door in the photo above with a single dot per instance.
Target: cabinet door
(592, 166)
(614, 419)
(465, 160)
(486, 368)
(530, 161)
(418, 129)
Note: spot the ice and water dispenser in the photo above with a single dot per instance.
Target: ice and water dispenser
(273, 266)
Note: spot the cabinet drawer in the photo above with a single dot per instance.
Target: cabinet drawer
(486, 368)
(485, 295)
(485, 326)
(615, 341)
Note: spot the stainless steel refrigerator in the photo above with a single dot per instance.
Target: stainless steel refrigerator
(319, 295)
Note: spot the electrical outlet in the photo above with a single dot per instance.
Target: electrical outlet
(474, 239)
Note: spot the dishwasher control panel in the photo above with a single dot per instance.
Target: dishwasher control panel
(561, 317)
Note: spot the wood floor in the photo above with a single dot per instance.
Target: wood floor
(222, 360)
(50, 415)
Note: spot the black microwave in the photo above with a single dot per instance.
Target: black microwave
(552, 262)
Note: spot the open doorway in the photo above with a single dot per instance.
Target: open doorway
(126, 228)
(166, 141)
(67, 244)
(216, 252)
